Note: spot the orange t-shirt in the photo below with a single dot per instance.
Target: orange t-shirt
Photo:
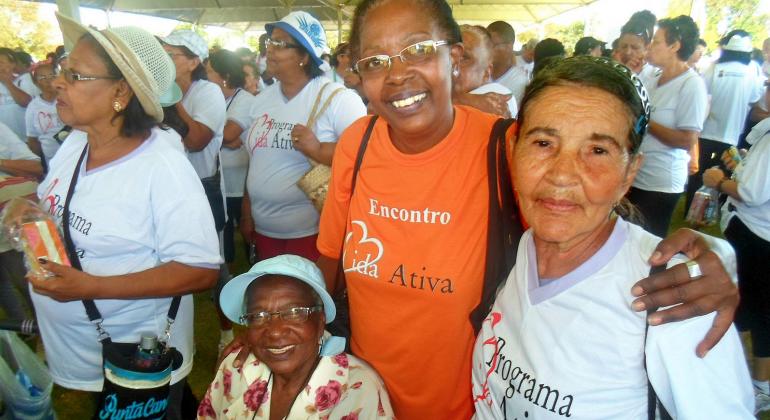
(414, 259)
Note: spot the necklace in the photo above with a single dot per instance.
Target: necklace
(294, 400)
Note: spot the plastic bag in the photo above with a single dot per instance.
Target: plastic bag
(33, 231)
(16, 357)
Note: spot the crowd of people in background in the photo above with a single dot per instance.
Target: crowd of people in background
(199, 144)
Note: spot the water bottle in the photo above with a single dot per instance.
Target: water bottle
(704, 209)
(148, 352)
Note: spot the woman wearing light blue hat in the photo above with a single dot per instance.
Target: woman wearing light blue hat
(295, 369)
(277, 216)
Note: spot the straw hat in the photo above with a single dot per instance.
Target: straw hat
(138, 55)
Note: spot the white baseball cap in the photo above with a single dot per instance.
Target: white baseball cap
(306, 30)
(189, 39)
(739, 43)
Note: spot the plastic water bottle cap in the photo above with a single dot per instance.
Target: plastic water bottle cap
(149, 342)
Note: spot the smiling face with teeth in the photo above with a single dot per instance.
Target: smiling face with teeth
(289, 349)
(415, 99)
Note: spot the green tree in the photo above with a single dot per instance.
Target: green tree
(22, 29)
(679, 7)
(726, 15)
(568, 35)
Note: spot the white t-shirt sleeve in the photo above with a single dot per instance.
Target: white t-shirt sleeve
(12, 147)
(25, 83)
(346, 107)
(240, 110)
(208, 106)
(184, 224)
(754, 179)
(715, 387)
(691, 113)
(29, 119)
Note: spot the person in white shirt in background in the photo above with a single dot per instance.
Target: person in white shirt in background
(697, 55)
(526, 59)
(42, 119)
(734, 88)
(635, 38)
(504, 68)
(679, 103)
(23, 71)
(563, 338)
(250, 78)
(15, 157)
(225, 70)
(13, 99)
(277, 217)
(746, 225)
(472, 85)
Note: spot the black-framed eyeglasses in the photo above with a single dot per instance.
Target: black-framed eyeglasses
(280, 45)
(413, 54)
(294, 315)
(72, 77)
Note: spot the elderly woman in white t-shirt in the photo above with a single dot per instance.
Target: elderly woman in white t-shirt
(277, 217)
(563, 338)
(137, 216)
(679, 103)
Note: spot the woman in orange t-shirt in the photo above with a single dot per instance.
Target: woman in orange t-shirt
(415, 230)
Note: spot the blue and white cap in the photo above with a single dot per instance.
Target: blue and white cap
(306, 30)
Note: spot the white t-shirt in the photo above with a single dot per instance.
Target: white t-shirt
(42, 122)
(498, 88)
(516, 80)
(138, 212)
(527, 67)
(680, 104)
(12, 147)
(733, 87)
(235, 162)
(11, 114)
(206, 104)
(649, 75)
(574, 348)
(753, 177)
(279, 208)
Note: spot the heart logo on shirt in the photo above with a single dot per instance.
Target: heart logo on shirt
(44, 121)
(365, 253)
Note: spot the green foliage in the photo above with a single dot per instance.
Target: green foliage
(726, 15)
(568, 35)
(679, 7)
(21, 28)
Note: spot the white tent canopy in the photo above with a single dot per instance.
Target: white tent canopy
(248, 15)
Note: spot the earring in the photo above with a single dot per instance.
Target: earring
(301, 64)
(117, 106)
(320, 344)
(224, 83)
(456, 71)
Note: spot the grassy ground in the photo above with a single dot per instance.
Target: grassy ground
(76, 405)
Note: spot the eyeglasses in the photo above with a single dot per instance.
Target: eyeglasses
(72, 77)
(294, 315)
(279, 45)
(46, 77)
(413, 54)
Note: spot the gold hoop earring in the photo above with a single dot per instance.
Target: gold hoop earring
(117, 106)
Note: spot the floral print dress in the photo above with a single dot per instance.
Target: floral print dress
(342, 387)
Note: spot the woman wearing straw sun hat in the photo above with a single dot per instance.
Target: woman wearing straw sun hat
(277, 216)
(132, 205)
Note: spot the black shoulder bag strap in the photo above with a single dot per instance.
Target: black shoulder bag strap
(653, 403)
(504, 227)
(93, 312)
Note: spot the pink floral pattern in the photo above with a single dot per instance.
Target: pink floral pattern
(341, 359)
(205, 409)
(227, 381)
(350, 416)
(328, 396)
(256, 395)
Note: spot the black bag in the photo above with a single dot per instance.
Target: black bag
(504, 227)
(129, 391)
(340, 327)
(214, 194)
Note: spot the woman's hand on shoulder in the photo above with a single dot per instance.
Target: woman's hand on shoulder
(713, 291)
(239, 344)
(65, 284)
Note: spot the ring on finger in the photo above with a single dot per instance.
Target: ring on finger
(693, 269)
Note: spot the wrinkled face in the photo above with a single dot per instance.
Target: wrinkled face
(184, 64)
(284, 61)
(86, 103)
(44, 76)
(249, 80)
(475, 66)
(284, 346)
(632, 51)
(571, 162)
(661, 53)
(502, 52)
(414, 98)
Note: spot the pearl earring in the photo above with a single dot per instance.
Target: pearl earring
(456, 71)
(117, 106)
